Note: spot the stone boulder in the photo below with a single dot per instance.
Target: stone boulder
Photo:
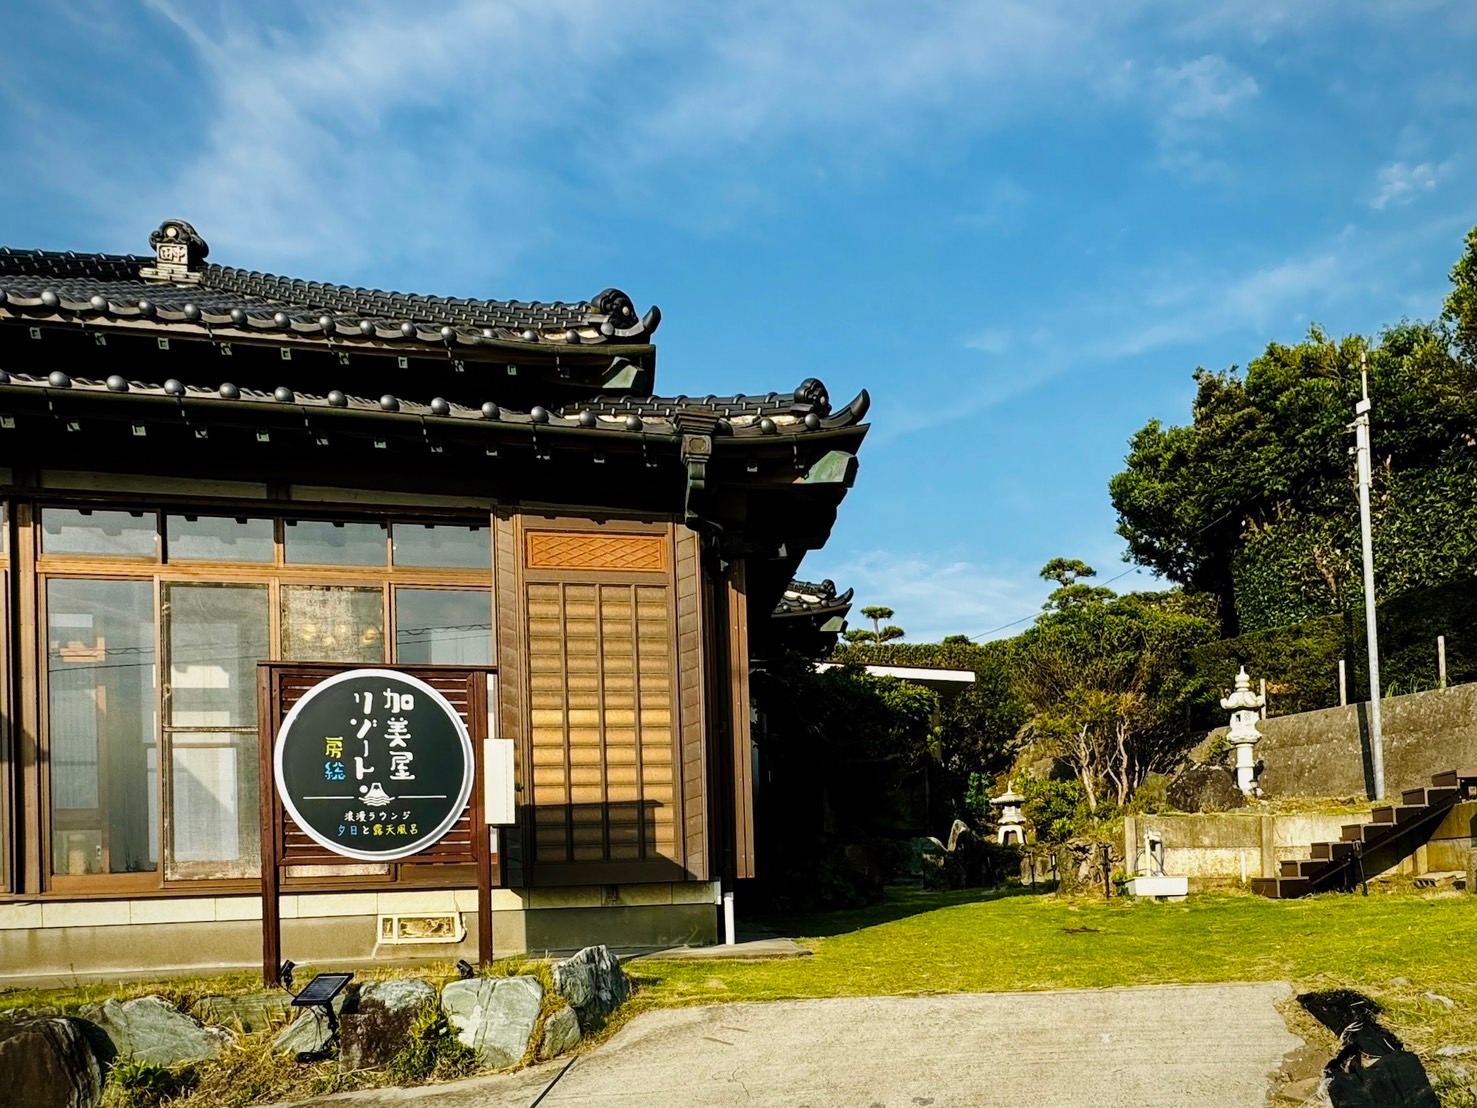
(561, 1033)
(150, 1029)
(248, 1013)
(593, 983)
(377, 1025)
(48, 1063)
(495, 1016)
(969, 852)
(1206, 789)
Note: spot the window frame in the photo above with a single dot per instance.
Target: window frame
(161, 572)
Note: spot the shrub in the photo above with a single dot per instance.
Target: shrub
(1056, 809)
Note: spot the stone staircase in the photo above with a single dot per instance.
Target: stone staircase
(1372, 848)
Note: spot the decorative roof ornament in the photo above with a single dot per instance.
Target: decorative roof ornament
(179, 253)
(617, 306)
(811, 396)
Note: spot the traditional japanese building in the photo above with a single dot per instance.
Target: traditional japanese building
(204, 469)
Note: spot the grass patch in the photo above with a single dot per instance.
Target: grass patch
(916, 943)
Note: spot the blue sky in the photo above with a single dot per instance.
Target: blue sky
(1021, 225)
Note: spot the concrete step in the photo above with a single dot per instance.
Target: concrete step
(1281, 888)
(1428, 796)
(1400, 813)
(1303, 867)
(1455, 779)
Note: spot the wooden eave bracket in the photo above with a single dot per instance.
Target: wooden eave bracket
(835, 467)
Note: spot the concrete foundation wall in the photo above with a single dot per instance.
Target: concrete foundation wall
(48, 941)
(1327, 753)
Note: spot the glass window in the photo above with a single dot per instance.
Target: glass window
(315, 542)
(443, 626)
(219, 539)
(418, 544)
(86, 531)
(329, 623)
(101, 726)
(214, 636)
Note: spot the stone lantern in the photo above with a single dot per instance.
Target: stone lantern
(1012, 819)
(1243, 735)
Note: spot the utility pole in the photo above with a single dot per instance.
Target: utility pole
(1361, 448)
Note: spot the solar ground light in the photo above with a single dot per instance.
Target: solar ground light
(317, 993)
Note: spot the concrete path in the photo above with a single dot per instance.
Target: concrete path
(1206, 1045)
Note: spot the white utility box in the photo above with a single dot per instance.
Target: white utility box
(1173, 888)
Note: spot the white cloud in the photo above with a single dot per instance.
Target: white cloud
(1181, 303)
(1208, 87)
(1194, 100)
(934, 598)
(1400, 182)
(335, 131)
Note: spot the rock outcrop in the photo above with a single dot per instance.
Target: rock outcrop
(48, 1062)
(495, 1016)
(593, 983)
(150, 1029)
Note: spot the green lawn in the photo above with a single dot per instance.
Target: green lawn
(918, 942)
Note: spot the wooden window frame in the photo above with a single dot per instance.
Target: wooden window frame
(275, 574)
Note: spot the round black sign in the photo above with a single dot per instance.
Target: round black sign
(374, 764)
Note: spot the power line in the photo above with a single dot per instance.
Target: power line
(1033, 615)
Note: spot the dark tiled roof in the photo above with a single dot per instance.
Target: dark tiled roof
(806, 598)
(648, 416)
(807, 408)
(131, 287)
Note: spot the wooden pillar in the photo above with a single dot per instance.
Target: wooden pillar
(29, 644)
(267, 701)
(741, 742)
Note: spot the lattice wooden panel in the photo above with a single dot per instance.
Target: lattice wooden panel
(600, 686)
(583, 550)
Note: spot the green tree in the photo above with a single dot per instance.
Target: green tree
(1460, 313)
(1069, 573)
(879, 634)
(1253, 501)
(1105, 684)
(975, 734)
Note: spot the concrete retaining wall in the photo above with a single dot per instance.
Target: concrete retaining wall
(1327, 753)
(1212, 848)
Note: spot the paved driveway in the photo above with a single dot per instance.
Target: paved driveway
(1201, 1045)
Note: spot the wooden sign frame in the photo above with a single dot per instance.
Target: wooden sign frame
(279, 685)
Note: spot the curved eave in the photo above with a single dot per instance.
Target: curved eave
(393, 409)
